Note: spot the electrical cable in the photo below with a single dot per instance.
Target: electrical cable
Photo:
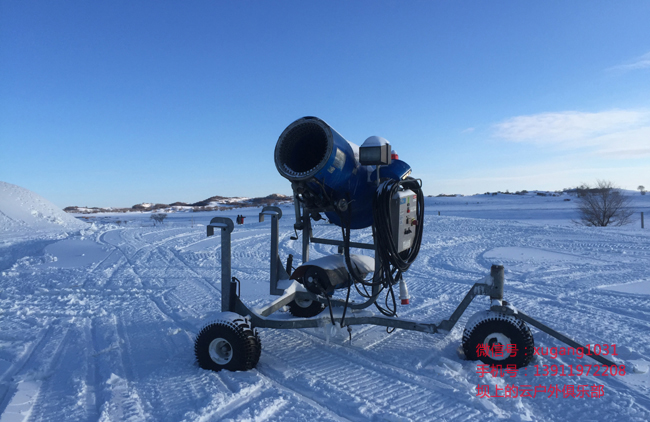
(329, 305)
(345, 227)
(392, 263)
(382, 226)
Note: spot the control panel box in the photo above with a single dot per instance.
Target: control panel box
(403, 212)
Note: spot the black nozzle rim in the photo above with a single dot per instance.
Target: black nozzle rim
(296, 160)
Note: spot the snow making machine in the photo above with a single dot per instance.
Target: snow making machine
(355, 188)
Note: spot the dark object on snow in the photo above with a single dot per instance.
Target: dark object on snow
(158, 218)
(498, 339)
(233, 345)
(603, 205)
(305, 308)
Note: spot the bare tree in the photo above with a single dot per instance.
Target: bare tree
(158, 218)
(641, 189)
(603, 205)
(582, 190)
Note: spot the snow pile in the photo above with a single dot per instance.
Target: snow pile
(22, 212)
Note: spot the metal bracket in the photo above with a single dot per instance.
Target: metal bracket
(272, 211)
(354, 317)
(277, 269)
(226, 225)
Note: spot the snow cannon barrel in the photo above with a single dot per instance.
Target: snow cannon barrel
(324, 169)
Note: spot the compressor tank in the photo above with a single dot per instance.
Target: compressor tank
(315, 157)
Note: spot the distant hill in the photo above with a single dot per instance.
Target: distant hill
(210, 204)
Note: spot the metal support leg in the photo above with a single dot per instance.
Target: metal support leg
(448, 324)
(562, 337)
(306, 235)
(277, 270)
(498, 280)
(226, 225)
(274, 255)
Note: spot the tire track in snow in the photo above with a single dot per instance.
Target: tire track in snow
(145, 253)
(222, 406)
(208, 283)
(251, 396)
(302, 398)
(71, 389)
(40, 366)
(371, 362)
(354, 389)
(117, 397)
(8, 381)
(105, 269)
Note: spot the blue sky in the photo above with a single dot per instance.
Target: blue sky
(116, 103)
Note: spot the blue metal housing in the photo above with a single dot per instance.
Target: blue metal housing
(310, 151)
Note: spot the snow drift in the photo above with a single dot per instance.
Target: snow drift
(23, 212)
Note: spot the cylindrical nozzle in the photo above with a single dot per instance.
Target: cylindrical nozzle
(322, 164)
(303, 149)
(404, 292)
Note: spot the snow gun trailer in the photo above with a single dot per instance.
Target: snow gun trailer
(331, 175)
(233, 343)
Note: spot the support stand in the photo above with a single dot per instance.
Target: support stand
(289, 290)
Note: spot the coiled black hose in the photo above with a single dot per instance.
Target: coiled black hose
(391, 262)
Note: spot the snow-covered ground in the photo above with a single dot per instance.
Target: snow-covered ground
(97, 322)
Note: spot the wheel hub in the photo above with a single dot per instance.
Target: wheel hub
(303, 303)
(495, 339)
(220, 351)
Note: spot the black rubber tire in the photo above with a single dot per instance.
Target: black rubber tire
(313, 309)
(495, 324)
(239, 337)
(258, 341)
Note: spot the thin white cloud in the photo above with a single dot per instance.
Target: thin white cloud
(634, 143)
(626, 153)
(468, 130)
(615, 133)
(641, 62)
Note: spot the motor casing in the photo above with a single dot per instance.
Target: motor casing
(326, 274)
